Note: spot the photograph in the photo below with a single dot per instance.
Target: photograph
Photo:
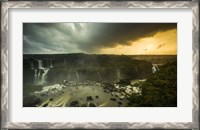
(99, 64)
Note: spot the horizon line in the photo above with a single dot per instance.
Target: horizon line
(89, 54)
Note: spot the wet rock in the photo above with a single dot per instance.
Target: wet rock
(45, 105)
(92, 105)
(74, 104)
(113, 99)
(83, 105)
(119, 103)
(51, 99)
(107, 86)
(42, 94)
(124, 82)
(89, 98)
(30, 101)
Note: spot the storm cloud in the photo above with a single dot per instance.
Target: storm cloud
(44, 38)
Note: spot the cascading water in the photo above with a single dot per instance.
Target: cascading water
(118, 74)
(77, 75)
(36, 77)
(51, 65)
(69, 75)
(32, 66)
(99, 76)
(64, 61)
(40, 64)
(155, 68)
(40, 75)
(44, 76)
(136, 69)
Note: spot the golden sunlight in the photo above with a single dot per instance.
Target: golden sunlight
(162, 43)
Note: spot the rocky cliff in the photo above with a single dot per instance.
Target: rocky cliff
(50, 69)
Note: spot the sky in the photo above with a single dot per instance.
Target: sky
(100, 38)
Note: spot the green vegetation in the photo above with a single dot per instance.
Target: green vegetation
(28, 99)
(159, 90)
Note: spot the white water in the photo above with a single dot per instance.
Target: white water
(136, 69)
(40, 64)
(35, 76)
(40, 75)
(69, 75)
(77, 75)
(51, 65)
(99, 76)
(155, 68)
(44, 76)
(118, 73)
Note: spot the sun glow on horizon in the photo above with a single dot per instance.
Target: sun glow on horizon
(162, 43)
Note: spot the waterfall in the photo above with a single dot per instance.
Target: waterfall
(38, 76)
(99, 76)
(32, 66)
(51, 66)
(35, 76)
(64, 61)
(155, 68)
(69, 75)
(40, 64)
(82, 61)
(77, 74)
(136, 69)
(118, 73)
(44, 76)
(47, 63)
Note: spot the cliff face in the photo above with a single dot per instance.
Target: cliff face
(49, 69)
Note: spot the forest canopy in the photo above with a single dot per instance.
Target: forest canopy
(159, 90)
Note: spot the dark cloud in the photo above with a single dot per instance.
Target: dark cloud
(85, 37)
(161, 45)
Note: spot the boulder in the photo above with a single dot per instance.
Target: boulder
(83, 105)
(89, 98)
(74, 104)
(51, 99)
(113, 99)
(92, 105)
(119, 103)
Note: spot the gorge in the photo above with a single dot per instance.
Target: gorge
(87, 79)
